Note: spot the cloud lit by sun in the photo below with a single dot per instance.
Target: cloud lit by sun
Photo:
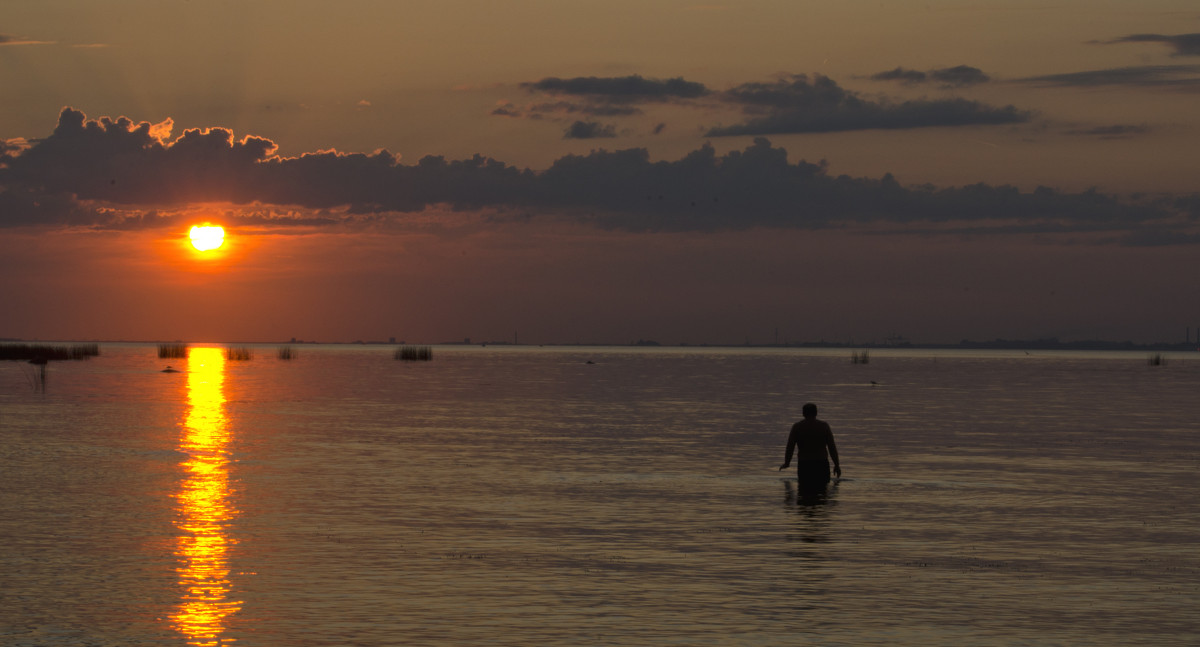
(207, 237)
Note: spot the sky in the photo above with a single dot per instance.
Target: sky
(600, 172)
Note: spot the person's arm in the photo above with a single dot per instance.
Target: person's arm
(837, 466)
(791, 445)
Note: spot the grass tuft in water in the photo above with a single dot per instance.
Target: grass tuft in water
(41, 353)
(285, 352)
(172, 351)
(860, 358)
(414, 353)
(238, 353)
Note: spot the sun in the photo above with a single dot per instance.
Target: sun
(207, 237)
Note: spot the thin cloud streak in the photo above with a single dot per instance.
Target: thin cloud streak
(950, 77)
(625, 88)
(1116, 131)
(7, 40)
(589, 130)
(1182, 44)
(1183, 77)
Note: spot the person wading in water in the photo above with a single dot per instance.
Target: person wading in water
(812, 441)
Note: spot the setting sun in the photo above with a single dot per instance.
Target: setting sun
(207, 237)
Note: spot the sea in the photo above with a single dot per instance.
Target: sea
(519, 495)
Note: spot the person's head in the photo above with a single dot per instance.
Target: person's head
(809, 410)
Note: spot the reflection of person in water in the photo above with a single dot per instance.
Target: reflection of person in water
(812, 441)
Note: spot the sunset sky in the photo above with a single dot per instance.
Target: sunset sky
(561, 172)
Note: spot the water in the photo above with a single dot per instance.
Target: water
(519, 496)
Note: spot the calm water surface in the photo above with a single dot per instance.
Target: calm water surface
(520, 496)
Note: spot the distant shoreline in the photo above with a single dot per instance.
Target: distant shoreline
(996, 344)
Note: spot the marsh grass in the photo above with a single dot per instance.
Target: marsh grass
(41, 353)
(172, 351)
(36, 375)
(238, 353)
(1157, 359)
(414, 353)
(39, 357)
(285, 352)
(860, 358)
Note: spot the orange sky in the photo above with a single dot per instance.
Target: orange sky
(942, 94)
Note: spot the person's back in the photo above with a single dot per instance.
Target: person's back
(811, 437)
(812, 441)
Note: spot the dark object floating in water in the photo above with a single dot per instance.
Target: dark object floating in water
(589, 362)
(170, 370)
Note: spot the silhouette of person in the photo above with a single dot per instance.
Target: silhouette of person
(812, 441)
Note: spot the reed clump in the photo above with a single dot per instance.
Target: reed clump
(1157, 359)
(414, 353)
(172, 351)
(41, 353)
(285, 352)
(863, 357)
(238, 353)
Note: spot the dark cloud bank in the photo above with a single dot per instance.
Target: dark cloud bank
(99, 172)
(800, 105)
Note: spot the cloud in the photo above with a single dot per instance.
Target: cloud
(902, 75)
(795, 104)
(601, 96)
(949, 77)
(1182, 44)
(119, 174)
(589, 130)
(959, 76)
(562, 109)
(9, 40)
(620, 89)
(1146, 76)
(799, 105)
(12, 147)
(1115, 131)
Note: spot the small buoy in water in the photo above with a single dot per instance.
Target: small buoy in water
(169, 370)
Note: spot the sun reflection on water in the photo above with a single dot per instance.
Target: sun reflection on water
(204, 507)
